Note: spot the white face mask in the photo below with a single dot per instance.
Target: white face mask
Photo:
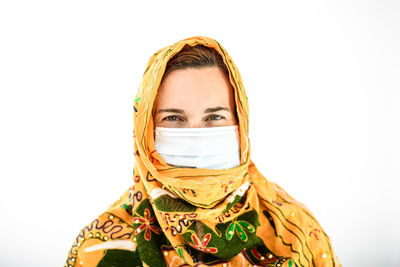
(205, 148)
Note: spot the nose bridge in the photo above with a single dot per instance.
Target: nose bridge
(194, 120)
(194, 124)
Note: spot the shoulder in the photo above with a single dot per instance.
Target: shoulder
(292, 226)
(108, 238)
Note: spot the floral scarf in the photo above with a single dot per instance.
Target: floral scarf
(174, 216)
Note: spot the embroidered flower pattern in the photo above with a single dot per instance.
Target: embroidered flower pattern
(146, 224)
(238, 227)
(202, 245)
(268, 259)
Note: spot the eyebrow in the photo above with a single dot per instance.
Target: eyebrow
(210, 110)
(172, 110)
(181, 111)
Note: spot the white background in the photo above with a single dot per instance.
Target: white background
(322, 78)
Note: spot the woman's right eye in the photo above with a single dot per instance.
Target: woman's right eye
(172, 118)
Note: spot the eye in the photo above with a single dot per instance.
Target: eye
(214, 117)
(172, 118)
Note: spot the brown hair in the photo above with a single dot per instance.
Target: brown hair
(198, 56)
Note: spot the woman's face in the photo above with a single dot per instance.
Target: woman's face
(195, 98)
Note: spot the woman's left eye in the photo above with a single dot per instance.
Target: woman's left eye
(214, 117)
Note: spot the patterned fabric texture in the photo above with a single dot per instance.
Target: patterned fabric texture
(199, 217)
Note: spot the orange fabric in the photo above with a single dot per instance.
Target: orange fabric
(209, 200)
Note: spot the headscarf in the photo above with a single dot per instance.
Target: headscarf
(174, 216)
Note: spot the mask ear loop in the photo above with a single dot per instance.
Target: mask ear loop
(239, 121)
(153, 122)
(153, 111)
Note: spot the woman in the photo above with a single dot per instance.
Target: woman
(197, 198)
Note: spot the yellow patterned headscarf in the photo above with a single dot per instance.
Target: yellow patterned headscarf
(173, 216)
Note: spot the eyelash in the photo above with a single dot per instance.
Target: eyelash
(169, 118)
(215, 116)
(174, 118)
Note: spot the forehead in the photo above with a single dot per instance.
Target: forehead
(195, 86)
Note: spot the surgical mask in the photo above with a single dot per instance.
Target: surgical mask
(205, 148)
